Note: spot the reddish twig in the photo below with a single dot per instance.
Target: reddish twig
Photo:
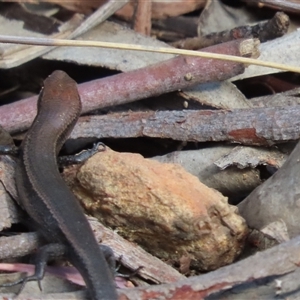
(174, 74)
(142, 17)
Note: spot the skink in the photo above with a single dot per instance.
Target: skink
(45, 196)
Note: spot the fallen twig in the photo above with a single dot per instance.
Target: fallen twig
(171, 75)
(277, 261)
(264, 31)
(255, 126)
(275, 264)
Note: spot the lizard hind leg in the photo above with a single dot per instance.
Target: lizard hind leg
(44, 254)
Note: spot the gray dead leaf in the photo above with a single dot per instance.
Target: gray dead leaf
(13, 27)
(115, 59)
(245, 157)
(284, 50)
(277, 230)
(216, 16)
(13, 55)
(223, 95)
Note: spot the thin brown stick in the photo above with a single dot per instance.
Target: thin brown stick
(264, 31)
(288, 5)
(142, 16)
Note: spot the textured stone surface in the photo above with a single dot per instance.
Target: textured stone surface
(166, 210)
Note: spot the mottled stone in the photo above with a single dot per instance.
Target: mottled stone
(162, 207)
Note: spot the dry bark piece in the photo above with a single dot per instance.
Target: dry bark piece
(133, 257)
(244, 157)
(288, 98)
(276, 199)
(256, 126)
(162, 207)
(18, 245)
(276, 287)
